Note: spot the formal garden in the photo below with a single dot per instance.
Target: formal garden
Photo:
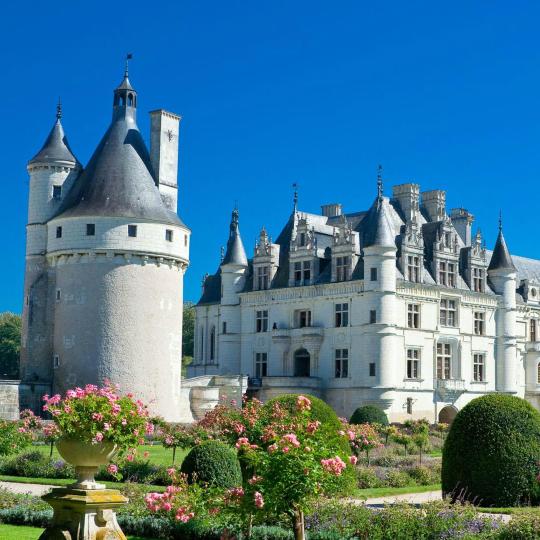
(288, 468)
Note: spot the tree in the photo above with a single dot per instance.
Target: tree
(188, 334)
(10, 345)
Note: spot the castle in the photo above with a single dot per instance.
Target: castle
(400, 306)
(105, 258)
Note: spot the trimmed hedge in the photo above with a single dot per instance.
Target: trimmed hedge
(213, 463)
(492, 451)
(369, 414)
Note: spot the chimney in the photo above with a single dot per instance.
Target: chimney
(331, 210)
(462, 220)
(434, 203)
(164, 133)
(407, 196)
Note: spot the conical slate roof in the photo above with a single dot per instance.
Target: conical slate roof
(235, 254)
(118, 180)
(56, 148)
(501, 258)
(378, 230)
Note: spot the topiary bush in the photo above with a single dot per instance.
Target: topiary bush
(492, 451)
(369, 414)
(213, 463)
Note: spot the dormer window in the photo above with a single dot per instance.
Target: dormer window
(448, 239)
(343, 265)
(302, 239)
(302, 272)
(262, 277)
(447, 274)
(478, 280)
(413, 268)
(57, 192)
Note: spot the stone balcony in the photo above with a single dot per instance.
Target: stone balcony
(450, 389)
(306, 331)
(533, 346)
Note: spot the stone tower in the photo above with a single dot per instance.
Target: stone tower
(106, 257)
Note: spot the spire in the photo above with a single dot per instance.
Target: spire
(235, 254)
(295, 197)
(125, 97)
(378, 230)
(379, 184)
(56, 147)
(501, 258)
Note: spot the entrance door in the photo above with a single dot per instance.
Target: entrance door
(301, 363)
(447, 414)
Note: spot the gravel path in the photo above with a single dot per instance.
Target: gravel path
(32, 489)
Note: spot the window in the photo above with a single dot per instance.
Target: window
(413, 315)
(413, 363)
(201, 333)
(132, 231)
(409, 405)
(444, 359)
(56, 361)
(532, 330)
(373, 274)
(343, 265)
(372, 316)
(168, 235)
(90, 229)
(262, 278)
(304, 318)
(479, 367)
(224, 327)
(479, 323)
(57, 192)
(185, 240)
(261, 364)
(342, 315)
(302, 272)
(58, 232)
(212, 343)
(448, 239)
(261, 321)
(447, 315)
(447, 274)
(342, 363)
(413, 268)
(372, 369)
(478, 280)
(58, 295)
(302, 239)
(538, 374)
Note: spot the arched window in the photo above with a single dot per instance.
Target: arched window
(130, 100)
(212, 343)
(201, 352)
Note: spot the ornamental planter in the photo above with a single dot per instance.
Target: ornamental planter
(86, 458)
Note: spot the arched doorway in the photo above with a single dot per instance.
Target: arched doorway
(447, 414)
(301, 363)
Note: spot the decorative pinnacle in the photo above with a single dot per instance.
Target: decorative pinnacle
(222, 253)
(500, 220)
(59, 109)
(379, 184)
(295, 196)
(129, 56)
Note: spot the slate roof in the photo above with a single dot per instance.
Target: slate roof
(56, 148)
(235, 254)
(501, 259)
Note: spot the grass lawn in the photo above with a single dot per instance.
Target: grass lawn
(389, 491)
(19, 532)
(158, 454)
(514, 510)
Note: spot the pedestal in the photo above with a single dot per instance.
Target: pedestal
(84, 514)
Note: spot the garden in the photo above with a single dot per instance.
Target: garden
(289, 468)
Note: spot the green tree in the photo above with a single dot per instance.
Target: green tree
(10, 345)
(188, 335)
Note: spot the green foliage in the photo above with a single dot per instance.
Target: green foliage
(397, 478)
(35, 464)
(423, 476)
(369, 414)
(14, 437)
(492, 451)
(188, 333)
(10, 345)
(367, 478)
(213, 463)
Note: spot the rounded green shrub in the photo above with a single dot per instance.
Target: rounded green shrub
(213, 463)
(492, 451)
(369, 414)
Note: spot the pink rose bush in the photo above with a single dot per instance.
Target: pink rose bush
(17, 435)
(94, 415)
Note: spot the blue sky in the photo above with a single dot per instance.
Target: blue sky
(271, 93)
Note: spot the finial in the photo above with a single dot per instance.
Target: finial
(235, 214)
(222, 253)
(500, 220)
(59, 109)
(129, 56)
(379, 183)
(295, 196)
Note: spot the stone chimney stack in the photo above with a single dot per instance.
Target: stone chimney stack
(463, 220)
(407, 196)
(331, 210)
(164, 134)
(434, 203)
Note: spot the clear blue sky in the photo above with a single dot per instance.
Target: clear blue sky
(319, 93)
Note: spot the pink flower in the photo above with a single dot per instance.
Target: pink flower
(353, 460)
(146, 454)
(291, 438)
(312, 427)
(67, 409)
(272, 448)
(171, 471)
(22, 430)
(106, 426)
(149, 428)
(99, 436)
(98, 417)
(258, 498)
(112, 468)
(303, 403)
(254, 479)
(71, 394)
(242, 442)
(130, 457)
(333, 465)
(167, 506)
(286, 449)
(124, 422)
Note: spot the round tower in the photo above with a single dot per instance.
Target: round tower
(119, 256)
(52, 171)
(502, 275)
(379, 250)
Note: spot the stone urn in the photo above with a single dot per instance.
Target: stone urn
(87, 458)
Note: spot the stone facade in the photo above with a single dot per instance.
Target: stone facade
(398, 306)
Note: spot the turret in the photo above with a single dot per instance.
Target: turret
(502, 278)
(379, 250)
(234, 265)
